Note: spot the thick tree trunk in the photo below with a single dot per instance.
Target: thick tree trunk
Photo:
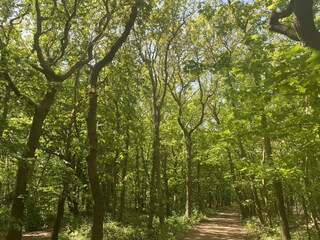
(25, 165)
(304, 26)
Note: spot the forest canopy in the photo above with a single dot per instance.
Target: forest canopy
(133, 119)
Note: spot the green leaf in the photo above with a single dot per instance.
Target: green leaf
(293, 51)
(314, 59)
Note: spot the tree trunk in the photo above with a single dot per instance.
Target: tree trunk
(304, 29)
(312, 203)
(306, 215)
(200, 199)
(155, 181)
(60, 213)
(245, 211)
(188, 152)
(166, 186)
(68, 158)
(5, 110)
(137, 181)
(257, 203)
(25, 166)
(123, 177)
(96, 189)
(284, 224)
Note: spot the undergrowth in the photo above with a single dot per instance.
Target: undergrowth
(135, 228)
(257, 231)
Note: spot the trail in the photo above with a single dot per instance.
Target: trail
(43, 235)
(222, 226)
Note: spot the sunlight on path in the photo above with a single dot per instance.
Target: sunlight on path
(43, 235)
(222, 226)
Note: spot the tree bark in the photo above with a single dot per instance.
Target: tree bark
(25, 166)
(166, 185)
(245, 212)
(123, 177)
(92, 168)
(59, 214)
(5, 111)
(304, 29)
(188, 153)
(199, 190)
(155, 181)
(284, 224)
(68, 158)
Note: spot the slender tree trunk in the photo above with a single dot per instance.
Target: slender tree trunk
(245, 212)
(188, 152)
(70, 162)
(114, 184)
(60, 213)
(123, 177)
(306, 216)
(159, 190)
(284, 224)
(137, 181)
(24, 167)
(106, 188)
(312, 203)
(5, 110)
(257, 203)
(96, 189)
(155, 181)
(166, 185)
(200, 200)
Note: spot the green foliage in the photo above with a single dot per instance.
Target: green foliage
(258, 231)
(34, 218)
(173, 229)
(220, 46)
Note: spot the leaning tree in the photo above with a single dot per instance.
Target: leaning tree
(304, 28)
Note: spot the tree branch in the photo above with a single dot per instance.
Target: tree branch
(304, 29)
(16, 91)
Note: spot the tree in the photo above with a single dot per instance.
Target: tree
(48, 61)
(98, 199)
(304, 29)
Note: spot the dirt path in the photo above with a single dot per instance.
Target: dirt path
(222, 226)
(43, 235)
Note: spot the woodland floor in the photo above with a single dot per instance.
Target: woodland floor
(224, 225)
(38, 235)
(221, 226)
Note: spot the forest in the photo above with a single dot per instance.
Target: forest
(134, 119)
